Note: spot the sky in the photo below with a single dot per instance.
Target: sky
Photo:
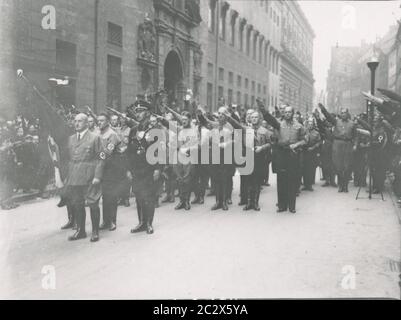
(346, 23)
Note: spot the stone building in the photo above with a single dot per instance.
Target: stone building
(296, 78)
(241, 51)
(111, 51)
(349, 75)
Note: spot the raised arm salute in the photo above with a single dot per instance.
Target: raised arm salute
(344, 132)
(290, 136)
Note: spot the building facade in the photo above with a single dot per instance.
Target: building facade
(349, 75)
(111, 51)
(296, 79)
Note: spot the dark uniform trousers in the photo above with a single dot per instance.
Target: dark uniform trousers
(170, 182)
(200, 179)
(287, 178)
(77, 196)
(144, 189)
(360, 167)
(184, 174)
(222, 176)
(112, 184)
(309, 164)
(86, 163)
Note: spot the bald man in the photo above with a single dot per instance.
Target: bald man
(85, 171)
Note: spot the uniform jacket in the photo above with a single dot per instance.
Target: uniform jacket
(86, 159)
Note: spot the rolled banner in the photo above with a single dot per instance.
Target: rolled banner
(57, 177)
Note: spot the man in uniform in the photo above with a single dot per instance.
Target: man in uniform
(310, 154)
(184, 170)
(344, 134)
(114, 172)
(92, 125)
(123, 133)
(223, 171)
(262, 143)
(290, 137)
(85, 171)
(144, 174)
(114, 122)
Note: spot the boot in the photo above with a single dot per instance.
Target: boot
(201, 200)
(141, 226)
(224, 204)
(166, 198)
(187, 205)
(340, 183)
(249, 203)
(80, 217)
(256, 201)
(113, 220)
(196, 200)
(95, 217)
(180, 205)
(70, 222)
(149, 219)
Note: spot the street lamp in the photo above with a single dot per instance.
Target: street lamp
(372, 65)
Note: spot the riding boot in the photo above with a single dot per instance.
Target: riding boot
(95, 218)
(340, 183)
(70, 222)
(224, 204)
(218, 203)
(140, 227)
(80, 215)
(150, 213)
(250, 196)
(256, 200)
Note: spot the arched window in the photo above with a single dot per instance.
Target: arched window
(255, 45)
(212, 16)
(248, 40)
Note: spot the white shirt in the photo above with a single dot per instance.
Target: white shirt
(80, 135)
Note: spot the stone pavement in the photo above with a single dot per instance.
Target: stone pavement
(333, 247)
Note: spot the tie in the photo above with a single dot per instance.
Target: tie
(79, 136)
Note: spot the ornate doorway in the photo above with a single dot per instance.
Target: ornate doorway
(173, 78)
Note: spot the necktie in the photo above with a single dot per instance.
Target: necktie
(79, 136)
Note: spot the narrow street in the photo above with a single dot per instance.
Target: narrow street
(204, 254)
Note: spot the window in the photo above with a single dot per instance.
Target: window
(241, 37)
(259, 88)
(212, 16)
(209, 95)
(246, 99)
(66, 55)
(115, 34)
(222, 28)
(238, 97)
(221, 92)
(114, 82)
(260, 50)
(230, 96)
(248, 41)
(210, 70)
(233, 20)
(253, 86)
(221, 74)
(264, 90)
(252, 101)
(266, 49)
(255, 42)
(239, 81)
(246, 83)
(230, 78)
